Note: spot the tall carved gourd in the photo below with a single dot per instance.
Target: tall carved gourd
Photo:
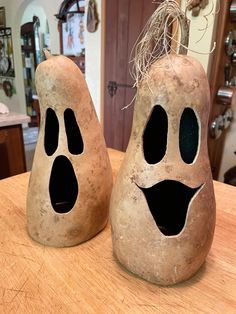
(162, 206)
(71, 178)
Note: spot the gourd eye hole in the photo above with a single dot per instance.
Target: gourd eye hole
(51, 132)
(188, 135)
(155, 136)
(74, 137)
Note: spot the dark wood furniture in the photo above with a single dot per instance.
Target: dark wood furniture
(12, 153)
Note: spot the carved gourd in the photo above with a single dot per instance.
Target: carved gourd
(71, 178)
(163, 207)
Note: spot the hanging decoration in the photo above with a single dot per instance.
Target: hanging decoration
(196, 6)
(8, 88)
(71, 27)
(92, 17)
(6, 53)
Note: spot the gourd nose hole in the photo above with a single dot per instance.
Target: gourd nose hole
(63, 185)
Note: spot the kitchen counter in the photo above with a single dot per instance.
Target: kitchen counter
(87, 278)
(13, 118)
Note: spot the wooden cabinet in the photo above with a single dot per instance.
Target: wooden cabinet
(12, 154)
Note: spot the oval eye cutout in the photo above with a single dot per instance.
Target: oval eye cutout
(51, 132)
(155, 136)
(74, 138)
(188, 135)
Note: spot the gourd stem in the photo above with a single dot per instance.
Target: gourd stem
(47, 53)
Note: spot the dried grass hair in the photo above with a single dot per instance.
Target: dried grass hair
(156, 38)
(168, 25)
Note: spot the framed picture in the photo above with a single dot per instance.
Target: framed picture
(2, 17)
(73, 35)
(71, 26)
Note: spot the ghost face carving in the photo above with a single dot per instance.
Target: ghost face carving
(63, 185)
(71, 178)
(162, 206)
(169, 198)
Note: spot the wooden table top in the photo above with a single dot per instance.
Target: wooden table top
(87, 278)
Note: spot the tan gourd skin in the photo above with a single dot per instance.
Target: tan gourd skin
(60, 85)
(175, 82)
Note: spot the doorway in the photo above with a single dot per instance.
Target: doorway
(34, 37)
(125, 20)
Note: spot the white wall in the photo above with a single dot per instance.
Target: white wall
(199, 47)
(34, 9)
(93, 52)
(14, 12)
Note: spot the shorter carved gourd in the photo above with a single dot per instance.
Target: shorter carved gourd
(71, 178)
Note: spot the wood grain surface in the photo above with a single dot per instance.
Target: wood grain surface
(87, 279)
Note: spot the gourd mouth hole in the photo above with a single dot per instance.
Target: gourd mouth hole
(168, 202)
(63, 185)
